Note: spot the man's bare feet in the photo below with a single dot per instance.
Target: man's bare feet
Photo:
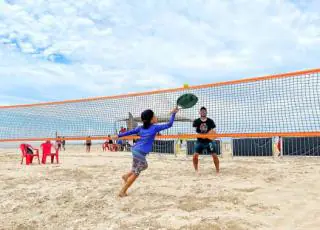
(122, 194)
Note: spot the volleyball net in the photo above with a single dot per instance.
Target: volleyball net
(277, 105)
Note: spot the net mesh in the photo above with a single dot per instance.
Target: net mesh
(276, 104)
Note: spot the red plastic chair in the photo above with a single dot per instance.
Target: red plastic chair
(46, 151)
(29, 157)
(114, 147)
(105, 146)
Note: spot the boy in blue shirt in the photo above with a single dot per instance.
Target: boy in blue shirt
(143, 146)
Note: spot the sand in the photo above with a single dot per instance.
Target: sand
(81, 193)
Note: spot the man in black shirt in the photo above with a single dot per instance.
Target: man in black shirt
(205, 125)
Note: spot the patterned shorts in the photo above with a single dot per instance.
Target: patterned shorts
(138, 166)
(210, 147)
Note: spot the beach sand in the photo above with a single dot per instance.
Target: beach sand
(81, 193)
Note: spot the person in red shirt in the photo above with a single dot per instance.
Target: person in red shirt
(279, 146)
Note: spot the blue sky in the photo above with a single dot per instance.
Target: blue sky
(62, 49)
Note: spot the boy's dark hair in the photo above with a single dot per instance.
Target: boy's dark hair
(146, 117)
(203, 108)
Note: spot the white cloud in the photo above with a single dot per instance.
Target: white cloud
(113, 47)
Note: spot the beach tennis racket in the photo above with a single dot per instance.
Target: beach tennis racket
(187, 101)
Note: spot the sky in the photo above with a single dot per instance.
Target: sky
(62, 49)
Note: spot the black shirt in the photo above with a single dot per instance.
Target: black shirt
(204, 127)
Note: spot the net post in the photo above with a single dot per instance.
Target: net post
(274, 147)
(231, 147)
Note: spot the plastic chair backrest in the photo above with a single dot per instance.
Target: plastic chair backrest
(23, 148)
(46, 147)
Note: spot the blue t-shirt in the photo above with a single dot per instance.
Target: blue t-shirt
(147, 136)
